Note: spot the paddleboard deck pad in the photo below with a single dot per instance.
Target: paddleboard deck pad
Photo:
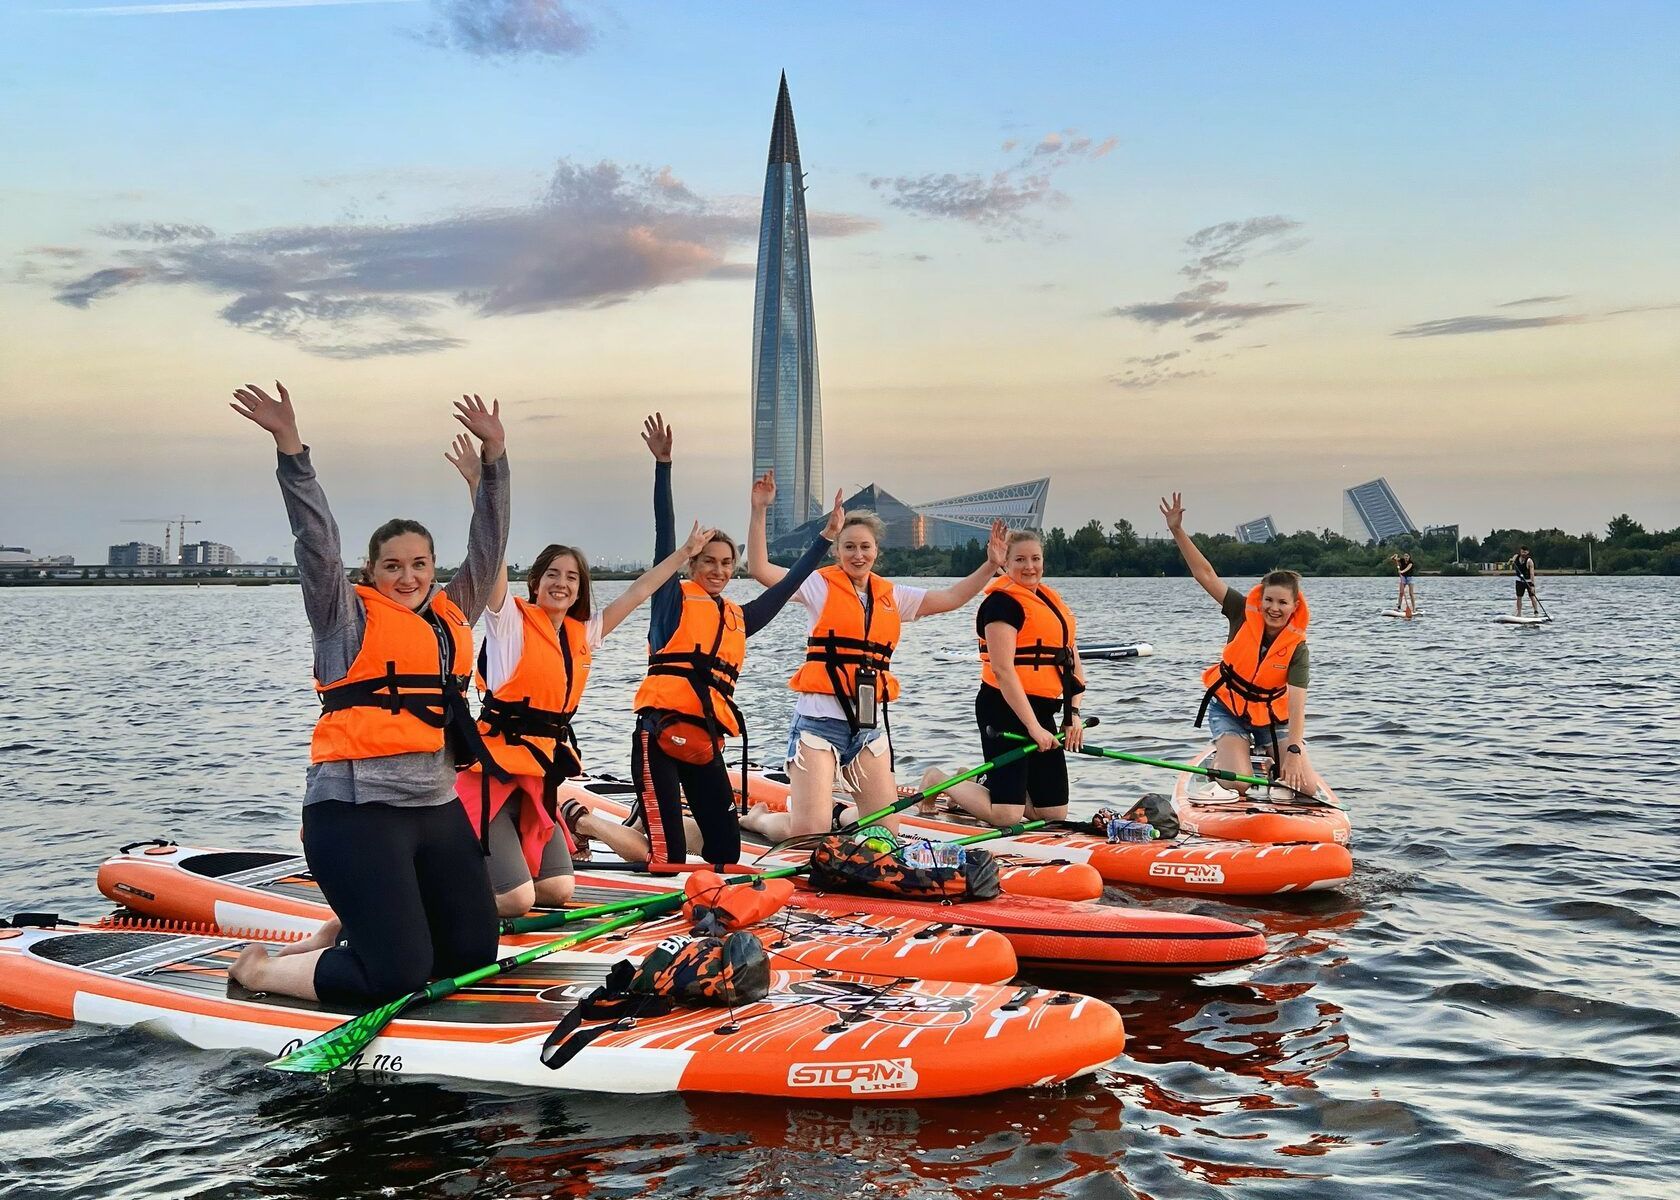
(817, 1035)
(1058, 935)
(268, 889)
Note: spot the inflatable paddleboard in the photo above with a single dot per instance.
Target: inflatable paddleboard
(1205, 807)
(267, 889)
(1398, 612)
(815, 1036)
(1508, 619)
(1111, 650)
(1047, 934)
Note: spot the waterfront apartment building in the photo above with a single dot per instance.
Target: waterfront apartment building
(786, 394)
(208, 554)
(945, 524)
(1372, 512)
(1261, 529)
(134, 554)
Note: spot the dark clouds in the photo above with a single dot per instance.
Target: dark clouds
(1451, 326)
(510, 28)
(1000, 202)
(1533, 300)
(600, 235)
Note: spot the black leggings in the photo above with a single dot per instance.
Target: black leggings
(411, 887)
(1041, 774)
(661, 784)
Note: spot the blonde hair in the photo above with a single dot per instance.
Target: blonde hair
(1017, 536)
(869, 520)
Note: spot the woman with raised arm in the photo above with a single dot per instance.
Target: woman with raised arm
(697, 642)
(534, 665)
(383, 834)
(841, 728)
(1256, 695)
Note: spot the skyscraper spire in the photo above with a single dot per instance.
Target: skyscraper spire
(786, 395)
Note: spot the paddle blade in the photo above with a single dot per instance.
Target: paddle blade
(340, 1045)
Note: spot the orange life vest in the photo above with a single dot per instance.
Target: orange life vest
(1255, 685)
(396, 698)
(695, 672)
(848, 636)
(1044, 644)
(527, 720)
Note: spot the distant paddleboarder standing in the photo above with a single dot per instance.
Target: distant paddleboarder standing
(1406, 601)
(1523, 564)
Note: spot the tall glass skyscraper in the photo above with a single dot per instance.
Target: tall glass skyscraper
(786, 397)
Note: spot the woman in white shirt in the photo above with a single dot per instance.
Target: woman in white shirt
(846, 684)
(533, 667)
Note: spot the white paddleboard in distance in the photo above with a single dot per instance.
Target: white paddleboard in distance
(1508, 619)
(1395, 612)
(1115, 650)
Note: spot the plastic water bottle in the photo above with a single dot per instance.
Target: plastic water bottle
(919, 855)
(949, 855)
(1122, 830)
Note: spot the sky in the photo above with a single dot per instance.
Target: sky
(1254, 253)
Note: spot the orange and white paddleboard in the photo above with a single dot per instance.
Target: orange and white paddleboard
(1205, 807)
(1061, 935)
(816, 1036)
(269, 889)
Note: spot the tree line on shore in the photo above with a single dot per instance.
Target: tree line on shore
(1095, 550)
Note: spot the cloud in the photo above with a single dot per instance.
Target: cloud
(599, 235)
(1138, 379)
(510, 28)
(1533, 300)
(1001, 201)
(1451, 326)
(1226, 246)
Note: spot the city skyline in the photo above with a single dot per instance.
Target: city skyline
(1278, 257)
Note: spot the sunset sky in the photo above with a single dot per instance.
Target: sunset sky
(1257, 253)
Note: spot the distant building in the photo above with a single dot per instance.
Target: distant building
(1371, 512)
(786, 395)
(944, 524)
(208, 554)
(1256, 531)
(135, 554)
(1441, 531)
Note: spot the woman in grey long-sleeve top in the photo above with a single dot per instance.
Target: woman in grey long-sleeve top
(383, 832)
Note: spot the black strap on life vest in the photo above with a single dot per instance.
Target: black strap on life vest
(1244, 689)
(836, 653)
(613, 1003)
(712, 679)
(515, 721)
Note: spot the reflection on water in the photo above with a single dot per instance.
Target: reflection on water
(1490, 1007)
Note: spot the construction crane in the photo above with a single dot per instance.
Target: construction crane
(177, 525)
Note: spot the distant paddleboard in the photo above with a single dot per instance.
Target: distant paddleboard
(1508, 619)
(1395, 612)
(1115, 650)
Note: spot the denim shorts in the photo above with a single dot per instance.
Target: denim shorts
(1222, 722)
(834, 732)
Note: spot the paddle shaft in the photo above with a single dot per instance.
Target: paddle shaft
(1141, 760)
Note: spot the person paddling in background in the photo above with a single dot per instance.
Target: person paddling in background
(1406, 602)
(386, 840)
(1031, 679)
(1257, 692)
(840, 729)
(686, 705)
(534, 666)
(1523, 564)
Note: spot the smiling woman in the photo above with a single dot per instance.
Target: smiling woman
(394, 855)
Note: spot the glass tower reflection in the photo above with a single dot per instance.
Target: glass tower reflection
(786, 397)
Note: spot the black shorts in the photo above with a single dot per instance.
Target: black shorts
(1041, 775)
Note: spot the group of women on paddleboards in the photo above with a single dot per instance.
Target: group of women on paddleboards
(423, 822)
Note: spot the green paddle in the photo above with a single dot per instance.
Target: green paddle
(342, 1043)
(1121, 756)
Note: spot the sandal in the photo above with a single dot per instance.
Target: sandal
(571, 812)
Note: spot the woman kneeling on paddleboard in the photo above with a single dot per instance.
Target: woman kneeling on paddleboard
(1256, 695)
(534, 666)
(841, 728)
(1029, 672)
(384, 837)
(697, 642)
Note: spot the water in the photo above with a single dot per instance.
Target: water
(1491, 1009)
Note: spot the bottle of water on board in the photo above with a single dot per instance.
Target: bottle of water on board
(918, 854)
(1122, 830)
(949, 855)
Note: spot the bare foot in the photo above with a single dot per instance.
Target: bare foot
(324, 938)
(250, 967)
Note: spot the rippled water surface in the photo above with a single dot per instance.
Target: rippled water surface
(1492, 1008)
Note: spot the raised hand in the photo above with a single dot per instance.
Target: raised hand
(276, 416)
(657, 435)
(484, 423)
(697, 539)
(464, 460)
(836, 518)
(1173, 512)
(997, 546)
(764, 490)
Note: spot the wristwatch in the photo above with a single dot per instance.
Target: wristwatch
(1292, 748)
